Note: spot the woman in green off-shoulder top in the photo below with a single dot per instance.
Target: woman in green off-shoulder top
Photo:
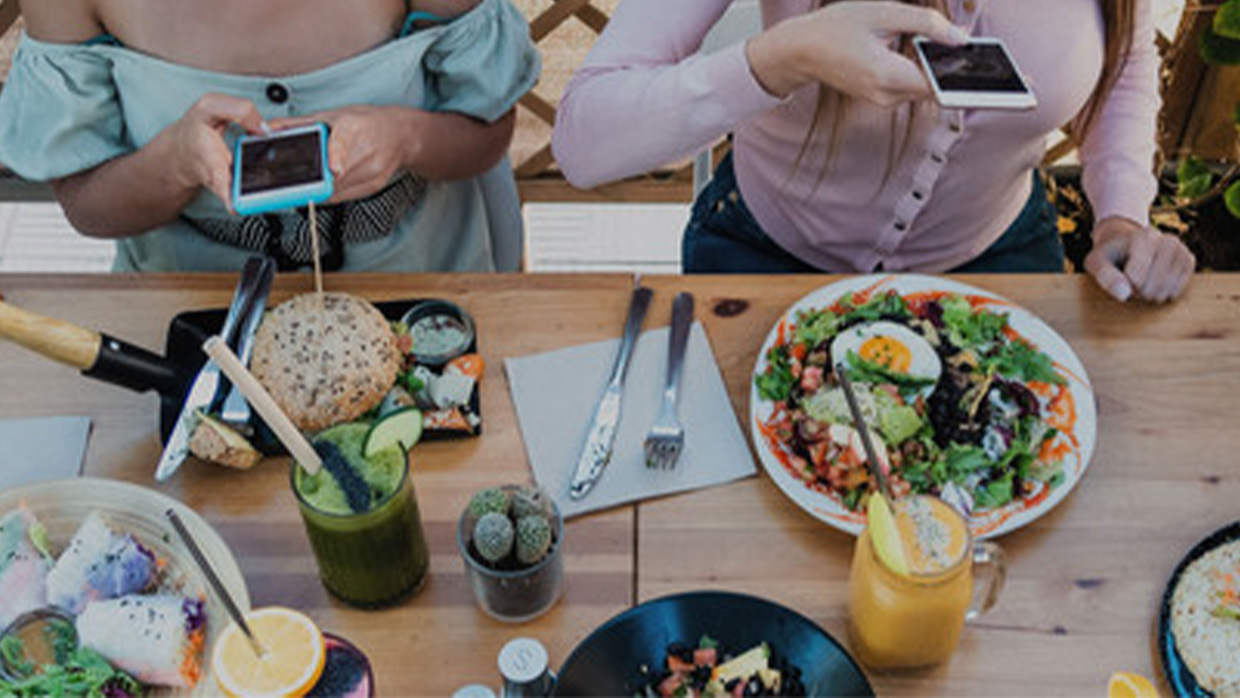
(130, 108)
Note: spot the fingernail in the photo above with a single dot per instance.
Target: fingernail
(265, 128)
(1123, 292)
(958, 35)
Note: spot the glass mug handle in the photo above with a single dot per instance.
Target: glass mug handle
(988, 555)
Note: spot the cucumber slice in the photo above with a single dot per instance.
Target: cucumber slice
(402, 427)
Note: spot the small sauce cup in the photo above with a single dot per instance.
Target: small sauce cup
(441, 331)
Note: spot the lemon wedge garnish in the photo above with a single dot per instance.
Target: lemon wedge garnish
(884, 534)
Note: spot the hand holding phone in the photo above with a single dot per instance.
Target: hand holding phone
(979, 74)
(286, 169)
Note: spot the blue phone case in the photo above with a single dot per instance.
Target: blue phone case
(288, 196)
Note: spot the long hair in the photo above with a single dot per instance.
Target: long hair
(832, 107)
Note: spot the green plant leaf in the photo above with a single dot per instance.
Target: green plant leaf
(1215, 48)
(1232, 199)
(1193, 178)
(1227, 20)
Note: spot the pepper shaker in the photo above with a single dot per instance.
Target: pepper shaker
(523, 666)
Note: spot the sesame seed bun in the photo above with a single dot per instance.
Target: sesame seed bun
(325, 364)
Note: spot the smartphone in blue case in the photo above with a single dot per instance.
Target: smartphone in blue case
(283, 170)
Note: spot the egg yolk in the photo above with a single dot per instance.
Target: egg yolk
(887, 351)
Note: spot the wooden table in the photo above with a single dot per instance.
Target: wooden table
(1085, 581)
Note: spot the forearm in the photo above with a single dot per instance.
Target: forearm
(447, 146)
(127, 196)
(645, 96)
(1117, 154)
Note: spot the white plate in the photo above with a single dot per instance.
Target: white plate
(1077, 435)
(62, 505)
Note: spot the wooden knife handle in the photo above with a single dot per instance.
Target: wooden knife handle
(55, 339)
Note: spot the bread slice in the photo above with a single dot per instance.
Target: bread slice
(216, 442)
(325, 362)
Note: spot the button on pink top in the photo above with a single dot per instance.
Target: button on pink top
(644, 97)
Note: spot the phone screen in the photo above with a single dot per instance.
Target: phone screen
(973, 67)
(282, 161)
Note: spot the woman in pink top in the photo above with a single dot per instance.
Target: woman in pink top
(843, 162)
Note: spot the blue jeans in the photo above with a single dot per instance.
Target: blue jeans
(723, 237)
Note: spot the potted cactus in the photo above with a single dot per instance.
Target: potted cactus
(510, 539)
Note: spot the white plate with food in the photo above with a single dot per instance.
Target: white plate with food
(968, 396)
(103, 555)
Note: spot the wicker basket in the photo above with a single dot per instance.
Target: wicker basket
(62, 505)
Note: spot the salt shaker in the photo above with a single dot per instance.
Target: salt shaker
(524, 668)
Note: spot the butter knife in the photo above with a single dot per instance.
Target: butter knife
(202, 391)
(601, 436)
(235, 411)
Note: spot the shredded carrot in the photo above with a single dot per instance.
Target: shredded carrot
(1061, 412)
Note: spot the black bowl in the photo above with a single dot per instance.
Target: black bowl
(1179, 677)
(609, 661)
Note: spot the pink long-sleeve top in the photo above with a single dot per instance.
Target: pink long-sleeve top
(645, 97)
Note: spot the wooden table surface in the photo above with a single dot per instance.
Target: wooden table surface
(1084, 581)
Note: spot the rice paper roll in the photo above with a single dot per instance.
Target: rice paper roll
(99, 563)
(156, 638)
(24, 565)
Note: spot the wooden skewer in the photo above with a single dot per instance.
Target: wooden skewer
(314, 245)
(261, 400)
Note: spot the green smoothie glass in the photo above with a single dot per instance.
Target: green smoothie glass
(368, 558)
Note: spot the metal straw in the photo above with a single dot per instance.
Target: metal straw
(871, 455)
(214, 580)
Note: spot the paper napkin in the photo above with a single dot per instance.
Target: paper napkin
(555, 394)
(40, 449)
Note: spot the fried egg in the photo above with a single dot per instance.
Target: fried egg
(889, 344)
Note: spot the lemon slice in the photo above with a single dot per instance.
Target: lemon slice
(1125, 684)
(884, 534)
(291, 664)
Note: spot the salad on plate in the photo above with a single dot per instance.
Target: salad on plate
(958, 402)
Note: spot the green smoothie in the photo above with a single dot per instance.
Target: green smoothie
(371, 557)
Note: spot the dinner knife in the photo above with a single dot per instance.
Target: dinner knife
(601, 436)
(235, 411)
(203, 389)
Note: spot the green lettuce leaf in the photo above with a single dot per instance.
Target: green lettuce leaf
(968, 329)
(1019, 361)
(776, 382)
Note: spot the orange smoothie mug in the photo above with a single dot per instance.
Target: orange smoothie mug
(913, 617)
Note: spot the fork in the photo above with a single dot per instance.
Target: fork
(667, 437)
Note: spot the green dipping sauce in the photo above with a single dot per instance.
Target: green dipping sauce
(370, 558)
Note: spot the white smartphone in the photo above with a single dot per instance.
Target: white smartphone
(977, 75)
(284, 170)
